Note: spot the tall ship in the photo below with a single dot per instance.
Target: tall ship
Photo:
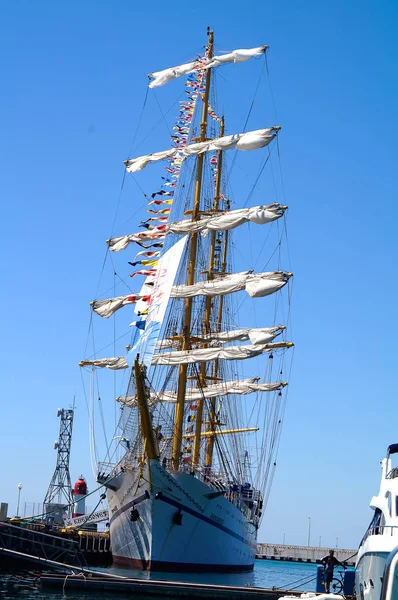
(189, 464)
(381, 537)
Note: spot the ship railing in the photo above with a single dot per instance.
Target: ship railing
(251, 494)
(386, 530)
(105, 471)
(204, 474)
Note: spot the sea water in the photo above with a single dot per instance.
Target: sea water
(266, 573)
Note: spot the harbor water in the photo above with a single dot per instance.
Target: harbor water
(266, 573)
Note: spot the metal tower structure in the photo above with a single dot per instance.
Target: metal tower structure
(60, 488)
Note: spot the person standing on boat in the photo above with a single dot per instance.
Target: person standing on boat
(329, 562)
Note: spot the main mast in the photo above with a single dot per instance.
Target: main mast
(208, 309)
(212, 413)
(182, 377)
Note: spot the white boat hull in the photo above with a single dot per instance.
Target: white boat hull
(369, 575)
(214, 535)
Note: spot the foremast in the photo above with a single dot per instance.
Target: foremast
(149, 437)
(182, 376)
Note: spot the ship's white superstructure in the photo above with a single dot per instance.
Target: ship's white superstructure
(382, 535)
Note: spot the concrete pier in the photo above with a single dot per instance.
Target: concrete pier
(310, 554)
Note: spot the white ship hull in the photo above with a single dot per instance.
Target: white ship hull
(181, 524)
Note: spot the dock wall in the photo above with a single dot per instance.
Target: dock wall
(312, 554)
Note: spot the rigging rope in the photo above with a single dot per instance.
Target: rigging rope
(270, 88)
(139, 122)
(247, 117)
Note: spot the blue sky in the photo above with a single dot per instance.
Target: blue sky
(73, 83)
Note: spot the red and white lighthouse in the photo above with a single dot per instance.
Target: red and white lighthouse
(79, 496)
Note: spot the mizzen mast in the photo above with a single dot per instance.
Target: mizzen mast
(182, 377)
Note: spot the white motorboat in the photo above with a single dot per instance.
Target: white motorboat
(381, 536)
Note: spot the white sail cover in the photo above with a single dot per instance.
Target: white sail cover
(106, 363)
(241, 387)
(159, 78)
(260, 215)
(252, 140)
(188, 357)
(257, 285)
(106, 308)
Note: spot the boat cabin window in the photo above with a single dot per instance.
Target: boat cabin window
(389, 503)
(377, 521)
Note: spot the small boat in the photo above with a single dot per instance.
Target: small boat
(381, 536)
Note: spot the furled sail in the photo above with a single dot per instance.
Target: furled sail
(256, 335)
(188, 357)
(252, 140)
(114, 364)
(257, 285)
(159, 78)
(230, 219)
(242, 387)
(106, 308)
(191, 356)
(120, 243)
(222, 221)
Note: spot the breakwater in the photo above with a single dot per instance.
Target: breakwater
(311, 554)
